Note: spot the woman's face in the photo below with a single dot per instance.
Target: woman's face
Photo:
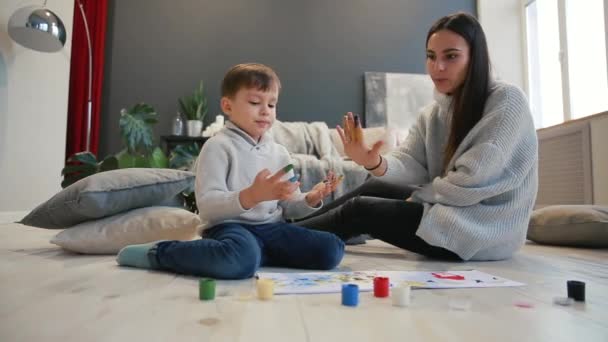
(447, 60)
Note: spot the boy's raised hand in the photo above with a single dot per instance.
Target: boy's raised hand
(354, 146)
(323, 189)
(267, 187)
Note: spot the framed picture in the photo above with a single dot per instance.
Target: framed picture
(395, 100)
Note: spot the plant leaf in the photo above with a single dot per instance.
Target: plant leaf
(183, 156)
(85, 168)
(81, 165)
(110, 163)
(83, 157)
(158, 159)
(194, 106)
(129, 160)
(67, 181)
(136, 128)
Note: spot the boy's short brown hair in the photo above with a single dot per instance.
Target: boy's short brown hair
(249, 75)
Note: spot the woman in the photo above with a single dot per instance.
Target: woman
(468, 167)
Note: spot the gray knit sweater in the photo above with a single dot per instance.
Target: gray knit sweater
(229, 163)
(481, 208)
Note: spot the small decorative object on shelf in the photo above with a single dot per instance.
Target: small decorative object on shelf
(215, 127)
(194, 107)
(194, 128)
(178, 125)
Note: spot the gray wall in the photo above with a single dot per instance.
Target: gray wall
(158, 50)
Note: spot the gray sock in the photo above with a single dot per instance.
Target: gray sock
(136, 255)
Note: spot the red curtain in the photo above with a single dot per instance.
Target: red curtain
(96, 13)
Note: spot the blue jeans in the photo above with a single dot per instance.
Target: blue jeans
(236, 250)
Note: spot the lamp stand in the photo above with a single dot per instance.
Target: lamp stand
(90, 78)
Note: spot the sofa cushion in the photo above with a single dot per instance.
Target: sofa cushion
(108, 193)
(570, 225)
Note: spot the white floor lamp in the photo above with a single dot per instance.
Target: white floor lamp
(89, 98)
(38, 28)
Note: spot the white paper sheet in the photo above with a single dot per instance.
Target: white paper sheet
(331, 282)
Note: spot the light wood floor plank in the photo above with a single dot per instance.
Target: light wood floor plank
(53, 295)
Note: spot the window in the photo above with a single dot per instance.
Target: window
(567, 59)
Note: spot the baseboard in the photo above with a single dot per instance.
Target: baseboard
(11, 216)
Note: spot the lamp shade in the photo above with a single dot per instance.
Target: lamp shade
(37, 28)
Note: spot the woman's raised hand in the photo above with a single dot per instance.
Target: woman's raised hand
(355, 148)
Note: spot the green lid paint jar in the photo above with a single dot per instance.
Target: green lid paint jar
(206, 289)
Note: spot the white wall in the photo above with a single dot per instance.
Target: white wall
(503, 24)
(33, 115)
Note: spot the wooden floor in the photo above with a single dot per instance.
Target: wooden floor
(47, 294)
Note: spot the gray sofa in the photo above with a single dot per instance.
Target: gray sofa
(316, 149)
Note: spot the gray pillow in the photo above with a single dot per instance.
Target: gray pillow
(570, 225)
(108, 193)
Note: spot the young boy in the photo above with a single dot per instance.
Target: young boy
(244, 193)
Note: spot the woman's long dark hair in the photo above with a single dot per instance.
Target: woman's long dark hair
(470, 98)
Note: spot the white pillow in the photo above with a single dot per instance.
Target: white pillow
(108, 235)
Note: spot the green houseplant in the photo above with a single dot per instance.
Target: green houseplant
(136, 129)
(137, 135)
(83, 164)
(194, 107)
(140, 149)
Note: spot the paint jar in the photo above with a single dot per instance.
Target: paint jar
(265, 289)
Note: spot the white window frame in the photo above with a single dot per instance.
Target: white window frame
(563, 57)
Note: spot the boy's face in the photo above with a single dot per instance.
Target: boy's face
(252, 110)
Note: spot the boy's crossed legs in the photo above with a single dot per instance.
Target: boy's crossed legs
(236, 251)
